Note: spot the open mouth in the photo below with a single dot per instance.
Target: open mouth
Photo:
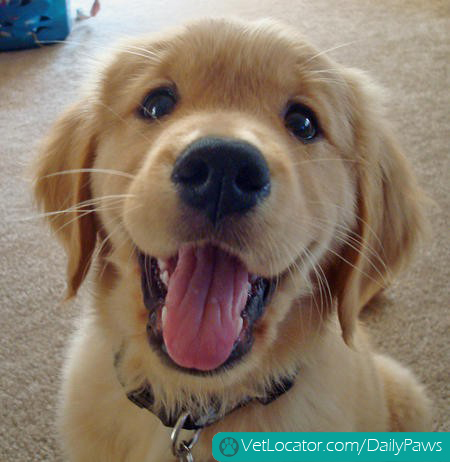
(202, 306)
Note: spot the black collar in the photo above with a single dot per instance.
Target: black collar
(145, 398)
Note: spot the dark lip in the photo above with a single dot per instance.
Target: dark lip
(154, 293)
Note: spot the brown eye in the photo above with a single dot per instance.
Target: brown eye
(158, 103)
(301, 122)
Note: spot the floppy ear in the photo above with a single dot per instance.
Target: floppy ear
(60, 185)
(390, 218)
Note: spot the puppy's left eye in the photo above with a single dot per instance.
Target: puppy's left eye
(301, 122)
(158, 103)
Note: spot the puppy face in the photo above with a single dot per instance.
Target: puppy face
(238, 187)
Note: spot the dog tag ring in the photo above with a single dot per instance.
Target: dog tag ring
(184, 454)
(183, 449)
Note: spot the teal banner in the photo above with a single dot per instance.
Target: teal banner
(330, 447)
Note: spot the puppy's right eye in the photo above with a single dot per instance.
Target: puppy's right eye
(158, 103)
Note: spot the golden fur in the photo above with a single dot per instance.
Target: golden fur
(349, 198)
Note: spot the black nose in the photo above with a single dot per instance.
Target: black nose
(221, 176)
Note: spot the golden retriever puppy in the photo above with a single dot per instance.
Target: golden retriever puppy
(238, 198)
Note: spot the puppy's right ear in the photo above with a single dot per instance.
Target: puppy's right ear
(62, 187)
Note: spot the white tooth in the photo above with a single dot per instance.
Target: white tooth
(249, 287)
(162, 265)
(164, 315)
(165, 277)
(240, 325)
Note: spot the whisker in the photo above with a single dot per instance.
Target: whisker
(323, 286)
(358, 218)
(126, 122)
(329, 50)
(101, 246)
(78, 217)
(326, 80)
(364, 273)
(80, 206)
(304, 270)
(330, 250)
(148, 54)
(307, 161)
(347, 234)
(319, 281)
(333, 72)
(89, 170)
(342, 237)
(134, 250)
(322, 277)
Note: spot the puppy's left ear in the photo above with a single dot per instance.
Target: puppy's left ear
(62, 187)
(390, 219)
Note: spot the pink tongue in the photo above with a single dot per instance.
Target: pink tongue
(206, 295)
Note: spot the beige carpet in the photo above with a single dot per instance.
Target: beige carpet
(403, 44)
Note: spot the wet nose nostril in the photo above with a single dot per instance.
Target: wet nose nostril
(194, 173)
(250, 179)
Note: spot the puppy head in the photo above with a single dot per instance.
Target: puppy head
(238, 172)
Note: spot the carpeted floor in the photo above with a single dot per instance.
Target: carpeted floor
(405, 45)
